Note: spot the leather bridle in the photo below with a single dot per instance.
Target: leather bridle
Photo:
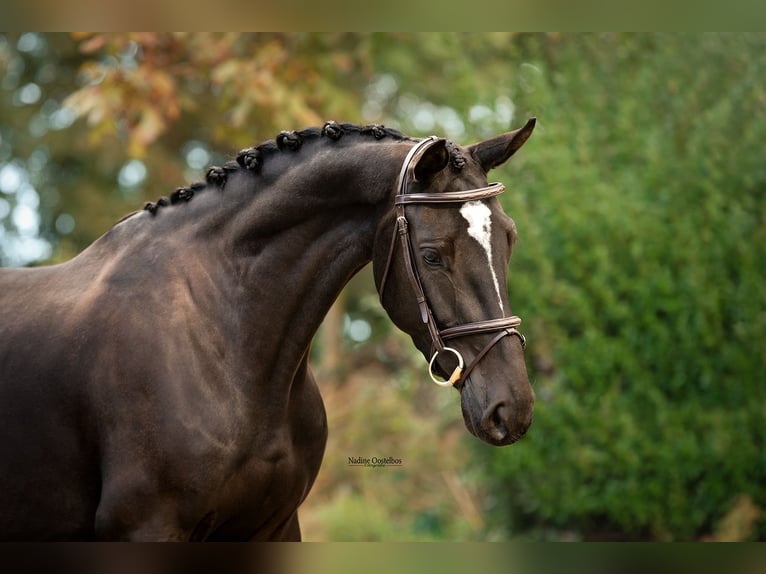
(503, 327)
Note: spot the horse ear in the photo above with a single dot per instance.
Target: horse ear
(496, 151)
(433, 160)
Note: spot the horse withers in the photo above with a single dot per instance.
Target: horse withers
(157, 387)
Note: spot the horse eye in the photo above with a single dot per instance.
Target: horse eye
(432, 257)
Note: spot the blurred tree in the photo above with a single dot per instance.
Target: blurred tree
(46, 179)
(640, 274)
(139, 87)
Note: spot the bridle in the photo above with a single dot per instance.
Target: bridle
(504, 326)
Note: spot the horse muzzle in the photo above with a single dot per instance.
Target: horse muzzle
(501, 420)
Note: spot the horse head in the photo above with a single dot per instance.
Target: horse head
(442, 277)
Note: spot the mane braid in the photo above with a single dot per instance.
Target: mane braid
(457, 161)
(252, 159)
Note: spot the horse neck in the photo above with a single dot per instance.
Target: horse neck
(304, 230)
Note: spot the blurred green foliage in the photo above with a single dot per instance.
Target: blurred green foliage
(639, 270)
(640, 276)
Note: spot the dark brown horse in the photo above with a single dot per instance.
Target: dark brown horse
(156, 386)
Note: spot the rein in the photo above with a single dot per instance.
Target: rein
(504, 326)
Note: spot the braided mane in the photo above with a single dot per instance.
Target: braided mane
(252, 158)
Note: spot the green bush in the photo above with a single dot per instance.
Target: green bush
(639, 273)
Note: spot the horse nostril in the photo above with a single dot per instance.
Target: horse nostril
(495, 423)
(503, 424)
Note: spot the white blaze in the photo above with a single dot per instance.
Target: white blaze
(478, 216)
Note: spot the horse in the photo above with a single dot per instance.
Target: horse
(156, 386)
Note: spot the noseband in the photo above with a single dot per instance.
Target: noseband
(503, 326)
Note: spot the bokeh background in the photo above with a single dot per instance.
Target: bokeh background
(639, 271)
